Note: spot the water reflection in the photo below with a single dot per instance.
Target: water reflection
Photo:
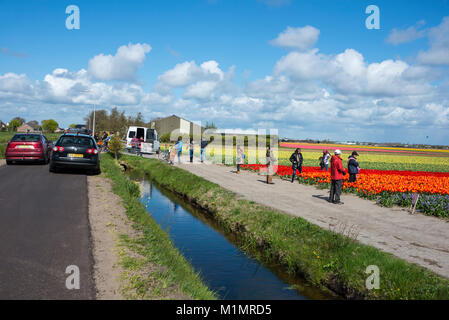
(224, 267)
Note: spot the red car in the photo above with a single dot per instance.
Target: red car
(28, 146)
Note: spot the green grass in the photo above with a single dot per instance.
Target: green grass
(155, 246)
(327, 259)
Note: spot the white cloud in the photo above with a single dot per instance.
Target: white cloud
(438, 53)
(297, 38)
(348, 73)
(412, 33)
(15, 83)
(186, 73)
(122, 66)
(308, 94)
(200, 90)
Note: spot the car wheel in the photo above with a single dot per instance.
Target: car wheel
(8, 162)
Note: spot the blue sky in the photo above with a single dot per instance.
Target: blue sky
(251, 81)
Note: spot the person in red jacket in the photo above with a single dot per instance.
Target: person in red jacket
(337, 173)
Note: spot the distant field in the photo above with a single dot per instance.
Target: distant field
(378, 158)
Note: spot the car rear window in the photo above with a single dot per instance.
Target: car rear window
(76, 141)
(26, 138)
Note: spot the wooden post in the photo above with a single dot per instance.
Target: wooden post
(415, 199)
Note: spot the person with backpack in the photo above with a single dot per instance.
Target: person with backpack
(353, 166)
(296, 159)
(337, 173)
(240, 159)
(203, 146)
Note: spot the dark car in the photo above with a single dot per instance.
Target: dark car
(75, 151)
(79, 130)
(28, 147)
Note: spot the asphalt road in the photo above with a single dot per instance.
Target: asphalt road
(44, 228)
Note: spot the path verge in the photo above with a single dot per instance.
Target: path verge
(151, 266)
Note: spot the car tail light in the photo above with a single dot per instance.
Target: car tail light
(56, 149)
(94, 151)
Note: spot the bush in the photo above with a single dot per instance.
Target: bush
(115, 145)
(165, 138)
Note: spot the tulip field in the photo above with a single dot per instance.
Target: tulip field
(391, 176)
(388, 186)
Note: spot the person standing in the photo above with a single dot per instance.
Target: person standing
(134, 144)
(191, 149)
(178, 148)
(296, 159)
(326, 158)
(337, 173)
(353, 166)
(240, 159)
(270, 165)
(203, 146)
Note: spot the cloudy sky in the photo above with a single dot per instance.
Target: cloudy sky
(310, 69)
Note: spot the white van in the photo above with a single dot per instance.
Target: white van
(148, 137)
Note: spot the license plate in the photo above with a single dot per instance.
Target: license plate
(25, 147)
(75, 155)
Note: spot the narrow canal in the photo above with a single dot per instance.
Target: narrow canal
(225, 268)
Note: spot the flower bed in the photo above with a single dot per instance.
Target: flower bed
(388, 187)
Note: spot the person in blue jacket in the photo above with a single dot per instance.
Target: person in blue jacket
(178, 147)
(353, 166)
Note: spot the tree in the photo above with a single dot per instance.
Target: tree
(50, 125)
(14, 124)
(73, 125)
(21, 120)
(210, 125)
(137, 120)
(165, 138)
(115, 145)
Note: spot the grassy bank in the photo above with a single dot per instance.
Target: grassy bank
(155, 245)
(334, 260)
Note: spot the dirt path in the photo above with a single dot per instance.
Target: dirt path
(107, 219)
(416, 238)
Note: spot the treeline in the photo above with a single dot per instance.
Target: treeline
(49, 125)
(113, 121)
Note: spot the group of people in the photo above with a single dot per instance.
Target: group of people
(102, 140)
(177, 150)
(336, 167)
(335, 162)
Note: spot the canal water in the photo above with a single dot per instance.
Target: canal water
(224, 267)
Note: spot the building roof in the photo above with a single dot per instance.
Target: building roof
(32, 125)
(174, 116)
